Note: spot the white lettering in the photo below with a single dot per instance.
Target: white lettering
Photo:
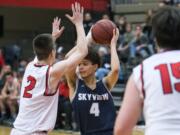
(94, 97)
(89, 96)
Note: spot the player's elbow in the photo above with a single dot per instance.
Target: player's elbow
(82, 47)
(115, 70)
(119, 130)
(83, 52)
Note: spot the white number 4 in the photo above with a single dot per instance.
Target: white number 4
(95, 109)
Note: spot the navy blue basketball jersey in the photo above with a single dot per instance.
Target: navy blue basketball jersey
(94, 109)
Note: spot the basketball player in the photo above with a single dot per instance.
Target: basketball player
(91, 99)
(154, 86)
(39, 96)
(10, 95)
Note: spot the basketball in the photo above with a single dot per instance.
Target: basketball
(102, 31)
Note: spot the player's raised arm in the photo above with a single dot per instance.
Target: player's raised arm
(77, 20)
(71, 75)
(62, 67)
(80, 50)
(113, 75)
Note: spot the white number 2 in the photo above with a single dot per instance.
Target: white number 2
(95, 109)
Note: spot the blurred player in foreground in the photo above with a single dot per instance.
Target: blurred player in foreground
(91, 99)
(154, 86)
(39, 95)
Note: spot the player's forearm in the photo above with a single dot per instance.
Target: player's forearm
(70, 52)
(115, 65)
(74, 60)
(89, 38)
(81, 40)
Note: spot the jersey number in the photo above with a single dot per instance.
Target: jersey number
(165, 76)
(32, 83)
(95, 109)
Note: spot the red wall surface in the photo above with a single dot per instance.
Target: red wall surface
(96, 5)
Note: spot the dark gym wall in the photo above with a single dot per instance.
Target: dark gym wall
(22, 24)
(1, 25)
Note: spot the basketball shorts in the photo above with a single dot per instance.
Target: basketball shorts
(19, 132)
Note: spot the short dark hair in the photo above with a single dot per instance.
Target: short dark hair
(43, 45)
(93, 56)
(166, 27)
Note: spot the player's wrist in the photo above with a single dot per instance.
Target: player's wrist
(77, 24)
(113, 43)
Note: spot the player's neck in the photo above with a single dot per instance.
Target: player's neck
(90, 81)
(47, 61)
(43, 62)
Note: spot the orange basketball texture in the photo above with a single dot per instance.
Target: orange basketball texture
(102, 31)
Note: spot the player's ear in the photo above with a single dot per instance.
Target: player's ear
(54, 53)
(96, 66)
(51, 54)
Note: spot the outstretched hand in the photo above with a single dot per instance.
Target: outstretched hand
(115, 36)
(77, 11)
(56, 29)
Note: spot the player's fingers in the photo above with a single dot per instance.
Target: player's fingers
(73, 8)
(117, 31)
(91, 28)
(78, 7)
(114, 32)
(56, 19)
(61, 30)
(69, 17)
(59, 21)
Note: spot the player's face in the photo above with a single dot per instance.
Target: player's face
(86, 68)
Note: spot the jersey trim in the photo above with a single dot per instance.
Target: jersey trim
(105, 86)
(46, 93)
(39, 65)
(104, 83)
(75, 91)
(142, 81)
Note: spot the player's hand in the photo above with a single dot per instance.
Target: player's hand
(56, 29)
(89, 37)
(115, 36)
(77, 17)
